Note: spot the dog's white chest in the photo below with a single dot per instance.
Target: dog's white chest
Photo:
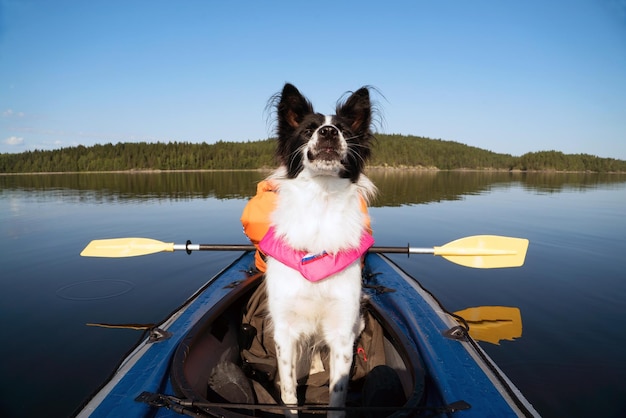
(320, 219)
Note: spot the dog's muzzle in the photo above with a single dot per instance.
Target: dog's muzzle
(329, 145)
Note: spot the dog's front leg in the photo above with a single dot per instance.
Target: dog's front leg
(341, 326)
(286, 356)
(340, 365)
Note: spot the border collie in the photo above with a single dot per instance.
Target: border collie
(317, 235)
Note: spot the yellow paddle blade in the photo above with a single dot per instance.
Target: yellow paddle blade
(493, 323)
(485, 251)
(125, 247)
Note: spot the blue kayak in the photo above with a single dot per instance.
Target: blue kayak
(438, 370)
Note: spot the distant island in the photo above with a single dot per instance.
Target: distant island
(390, 151)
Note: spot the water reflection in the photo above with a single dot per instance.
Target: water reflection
(397, 187)
(493, 323)
(117, 187)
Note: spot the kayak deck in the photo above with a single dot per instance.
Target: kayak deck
(439, 375)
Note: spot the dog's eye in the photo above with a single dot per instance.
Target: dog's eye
(307, 132)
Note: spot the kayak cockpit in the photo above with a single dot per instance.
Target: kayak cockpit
(216, 368)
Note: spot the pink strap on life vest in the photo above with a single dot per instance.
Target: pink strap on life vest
(314, 267)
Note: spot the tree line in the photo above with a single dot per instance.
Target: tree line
(398, 151)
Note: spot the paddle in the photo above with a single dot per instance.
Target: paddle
(480, 251)
(493, 323)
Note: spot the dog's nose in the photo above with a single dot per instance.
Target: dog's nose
(328, 132)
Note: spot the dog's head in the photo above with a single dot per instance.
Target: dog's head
(326, 145)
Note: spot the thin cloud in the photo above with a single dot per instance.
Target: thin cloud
(10, 113)
(14, 141)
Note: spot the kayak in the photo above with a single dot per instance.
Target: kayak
(437, 368)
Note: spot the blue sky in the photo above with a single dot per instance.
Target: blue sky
(508, 76)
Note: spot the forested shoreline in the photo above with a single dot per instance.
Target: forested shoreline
(390, 151)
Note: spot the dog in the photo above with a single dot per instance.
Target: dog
(318, 233)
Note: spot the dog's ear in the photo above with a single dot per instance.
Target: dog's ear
(292, 108)
(358, 110)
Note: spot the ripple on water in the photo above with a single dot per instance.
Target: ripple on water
(95, 289)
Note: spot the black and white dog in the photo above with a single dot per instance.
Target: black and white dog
(318, 231)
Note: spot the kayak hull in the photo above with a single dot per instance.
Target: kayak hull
(441, 368)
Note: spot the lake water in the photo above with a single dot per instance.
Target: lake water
(569, 361)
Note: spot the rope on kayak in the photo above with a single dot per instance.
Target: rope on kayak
(203, 408)
(122, 326)
(156, 334)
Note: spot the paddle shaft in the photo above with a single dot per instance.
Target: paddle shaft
(246, 247)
